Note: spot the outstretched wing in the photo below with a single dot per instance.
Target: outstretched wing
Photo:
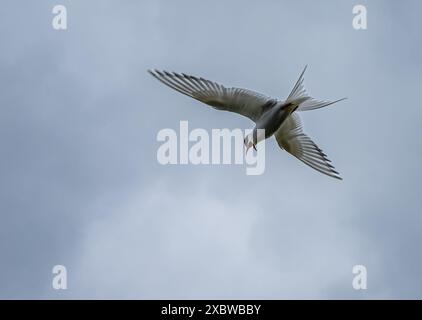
(291, 138)
(242, 101)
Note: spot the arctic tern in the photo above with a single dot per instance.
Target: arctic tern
(276, 117)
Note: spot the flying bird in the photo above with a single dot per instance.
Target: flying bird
(276, 117)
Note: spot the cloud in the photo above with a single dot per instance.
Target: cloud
(81, 185)
(195, 245)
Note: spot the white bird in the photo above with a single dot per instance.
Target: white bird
(276, 117)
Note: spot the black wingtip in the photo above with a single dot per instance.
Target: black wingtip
(151, 72)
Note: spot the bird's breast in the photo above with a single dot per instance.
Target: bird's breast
(272, 120)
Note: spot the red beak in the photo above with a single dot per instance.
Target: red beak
(250, 147)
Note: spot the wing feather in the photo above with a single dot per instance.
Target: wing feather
(246, 102)
(291, 138)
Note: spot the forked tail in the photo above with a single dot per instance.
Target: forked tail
(299, 97)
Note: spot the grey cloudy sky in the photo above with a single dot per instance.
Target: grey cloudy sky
(81, 186)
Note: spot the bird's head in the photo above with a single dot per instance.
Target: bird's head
(249, 142)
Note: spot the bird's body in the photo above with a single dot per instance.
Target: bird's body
(276, 117)
(273, 118)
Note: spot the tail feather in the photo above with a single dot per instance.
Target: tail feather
(313, 104)
(298, 96)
